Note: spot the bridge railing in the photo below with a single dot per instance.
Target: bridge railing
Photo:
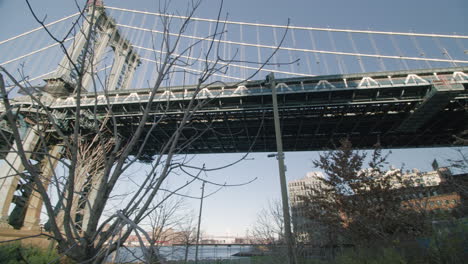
(258, 88)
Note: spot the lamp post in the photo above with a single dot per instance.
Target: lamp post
(282, 170)
(199, 222)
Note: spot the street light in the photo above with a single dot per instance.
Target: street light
(282, 171)
(199, 221)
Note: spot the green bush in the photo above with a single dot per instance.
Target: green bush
(15, 253)
(449, 245)
(370, 256)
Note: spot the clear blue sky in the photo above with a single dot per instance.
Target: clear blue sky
(399, 15)
(234, 209)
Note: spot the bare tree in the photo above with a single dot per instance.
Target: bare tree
(269, 227)
(91, 146)
(187, 234)
(268, 230)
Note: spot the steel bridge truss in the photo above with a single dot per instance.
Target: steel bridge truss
(396, 109)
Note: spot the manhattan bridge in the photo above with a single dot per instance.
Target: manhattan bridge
(402, 90)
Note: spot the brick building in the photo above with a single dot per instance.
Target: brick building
(435, 193)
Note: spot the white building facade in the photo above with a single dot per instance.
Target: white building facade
(305, 229)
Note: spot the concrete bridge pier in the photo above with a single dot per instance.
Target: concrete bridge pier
(96, 181)
(10, 172)
(34, 205)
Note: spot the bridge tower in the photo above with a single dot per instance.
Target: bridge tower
(84, 56)
(75, 71)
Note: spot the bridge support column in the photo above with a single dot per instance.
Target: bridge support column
(10, 174)
(132, 64)
(77, 51)
(86, 188)
(109, 31)
(116, 75)
(125, 62)
(48, 165)
(104, 34)
(96, 181)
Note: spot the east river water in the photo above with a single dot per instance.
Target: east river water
(134, 254)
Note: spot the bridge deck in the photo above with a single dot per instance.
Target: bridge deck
(397, 109)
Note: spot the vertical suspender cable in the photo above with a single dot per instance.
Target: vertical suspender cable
(420, 50)
(259, 53)
(201, 64)
(242, 52)
(291, 65)
(126, 31)
(225, 47)
(399, 52)
(175, 74)
(317, 58)
(444, 51)
(374, 46)
(139, 39)
(229, 56)
(309, 67)
(193, 49)
(275, 58)
(359, 58)
(338, 58)
(213, 49)
(460, 45)
(147, 38)
(293, 35)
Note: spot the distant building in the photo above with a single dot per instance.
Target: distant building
(415, 178)
(243, 240)
(305, 229)
(434, 192)
(448, 197)
(159, 237)
(212, 241)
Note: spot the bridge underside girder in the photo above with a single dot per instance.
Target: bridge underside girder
(309, 122)
(406, 110)
(306, 129)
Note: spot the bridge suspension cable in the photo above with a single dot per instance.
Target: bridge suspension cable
(34, 52)
(197, 71)
(51, 72)
(399, 57)
(37, 29)
(292, 27)
(340, 53)
(224, 63)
